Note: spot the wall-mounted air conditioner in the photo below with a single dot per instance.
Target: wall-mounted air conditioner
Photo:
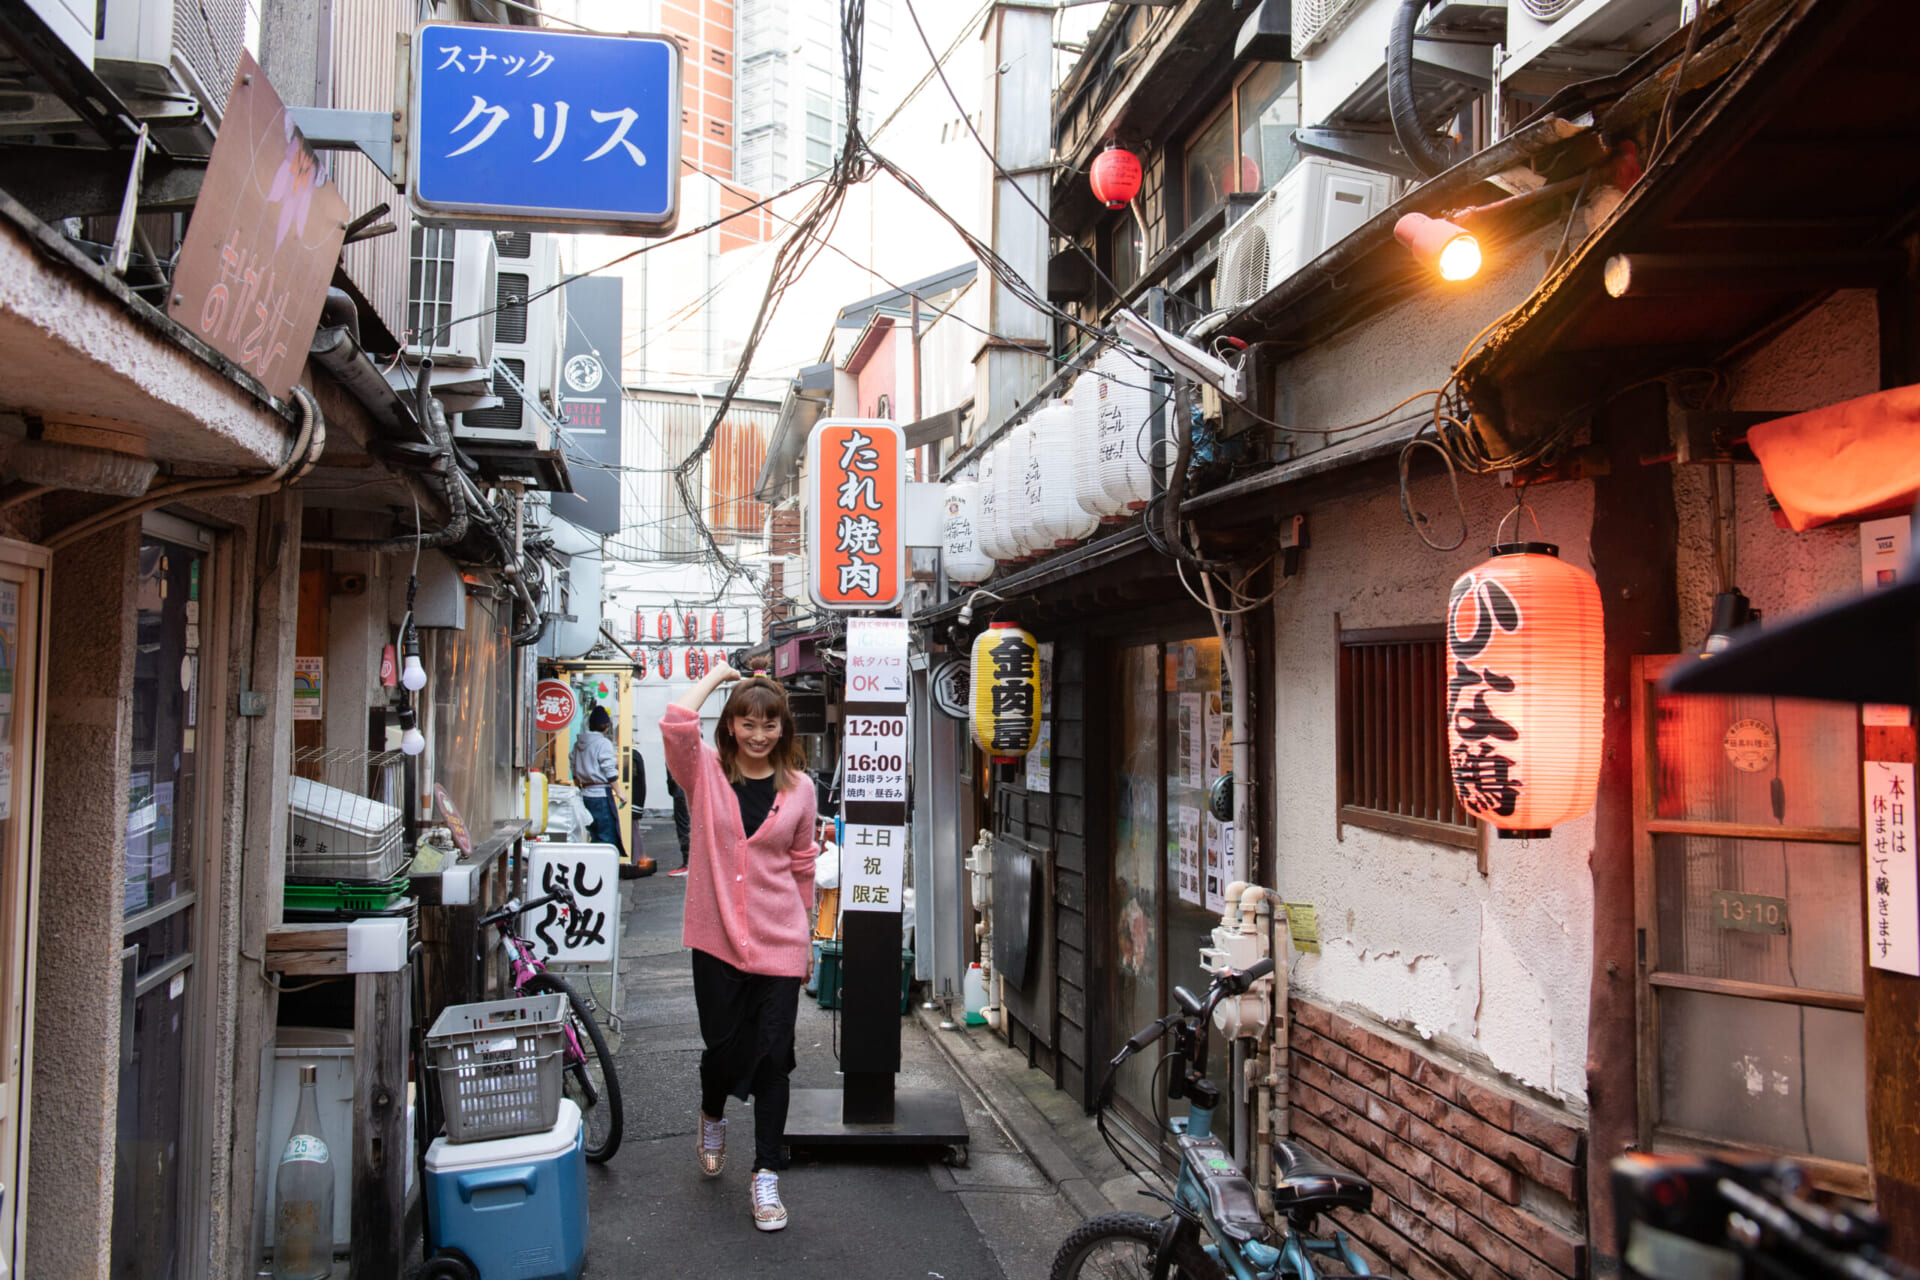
(142, 44)
(529, 334)
(452, 285)
(1315, 206)
(1562, 40)
(71, 21)
(1317, 20)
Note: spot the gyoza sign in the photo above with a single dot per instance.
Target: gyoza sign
(856, 549)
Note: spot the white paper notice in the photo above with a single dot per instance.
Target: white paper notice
(872, 868)
(874, 751)
(1193, 744)
(1219, 841)
(1189, 877)
(876, 660)
(1893, 896)
(1040, 760)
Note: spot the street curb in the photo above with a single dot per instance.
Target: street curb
(1023, 1123)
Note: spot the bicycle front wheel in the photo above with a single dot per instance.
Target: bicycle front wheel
(591, 1083)
(1120, 1246)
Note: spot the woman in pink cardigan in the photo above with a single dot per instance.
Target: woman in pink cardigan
(749, 893)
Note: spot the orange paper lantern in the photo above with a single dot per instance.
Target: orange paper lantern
(1524, 697)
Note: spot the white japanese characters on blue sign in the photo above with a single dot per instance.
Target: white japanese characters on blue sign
(535, 128)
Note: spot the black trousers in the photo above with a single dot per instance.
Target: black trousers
(682, 819)
(746, 1020)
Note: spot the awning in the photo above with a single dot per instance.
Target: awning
(1794, 168)
(1855, 460)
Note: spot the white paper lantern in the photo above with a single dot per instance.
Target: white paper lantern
(964, 559)
(1122, 404)
(1025, 531)
(1087, 489)
(1050, 477)
(992, 511)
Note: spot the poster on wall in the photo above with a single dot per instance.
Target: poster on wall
(1040, 759)
(1893, 895)
(308, 675)
(1189, 854)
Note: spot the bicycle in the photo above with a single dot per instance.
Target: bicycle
(1212, 1194)
(589, 1080)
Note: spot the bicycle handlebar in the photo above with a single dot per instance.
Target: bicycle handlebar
(1228, 982)
(514, 906)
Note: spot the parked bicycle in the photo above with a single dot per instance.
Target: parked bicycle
(587, 1075)
(1215, 1229)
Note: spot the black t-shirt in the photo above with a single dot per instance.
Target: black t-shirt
(756, 800)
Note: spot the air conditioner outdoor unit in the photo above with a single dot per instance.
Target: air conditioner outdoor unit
(141, 44)
(1316, 20)
(1318, 204)
(71, 21)
(528, 338)
(452, 286)
(1562, 40)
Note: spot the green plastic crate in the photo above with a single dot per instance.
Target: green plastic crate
(828, 977)
(341, 895)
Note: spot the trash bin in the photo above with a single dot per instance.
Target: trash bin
(516, 1207)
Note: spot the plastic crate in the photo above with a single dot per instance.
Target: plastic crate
(342, 895)
(499, 1065)
(827, 976)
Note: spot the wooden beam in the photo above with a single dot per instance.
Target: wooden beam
(1676, 275)
(381, 1020)
(307, 948)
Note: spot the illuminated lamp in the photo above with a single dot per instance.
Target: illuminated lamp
(1439, 245)
(1115, 177)
(1524, 701)
(1006, 691)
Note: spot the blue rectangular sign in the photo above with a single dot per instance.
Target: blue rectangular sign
(544, 130)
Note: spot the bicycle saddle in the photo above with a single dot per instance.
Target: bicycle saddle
(1305, 1181)
(1230, 1199)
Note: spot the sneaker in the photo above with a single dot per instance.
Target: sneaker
(768, 1213)
(677, 872)
(712, 1147)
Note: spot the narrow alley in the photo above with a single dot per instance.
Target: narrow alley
(867, 1214)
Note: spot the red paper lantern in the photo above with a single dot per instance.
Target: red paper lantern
(696, 663)
(1115, 177)
(717, 627)
(719, 657)
(664, 664)
(663, 625)
(640, 668)
(639, 625)
(689, 627)
(1524, 698)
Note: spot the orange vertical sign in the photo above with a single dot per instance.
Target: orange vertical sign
(856, 553)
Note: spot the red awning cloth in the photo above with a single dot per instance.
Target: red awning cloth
(1855, 460)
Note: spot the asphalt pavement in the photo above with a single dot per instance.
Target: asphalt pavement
(1033, 1169)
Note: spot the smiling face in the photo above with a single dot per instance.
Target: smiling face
(756, 735)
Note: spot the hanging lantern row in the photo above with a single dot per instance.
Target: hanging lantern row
(1053, 479)
(1006, 691)
(1524, 701)
(696, 663)
(689, 626)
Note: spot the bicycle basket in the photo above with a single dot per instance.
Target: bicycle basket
(499, 1065)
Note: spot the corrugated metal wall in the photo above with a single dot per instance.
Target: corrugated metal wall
(209, 34)
(363, 55)
(659, 432)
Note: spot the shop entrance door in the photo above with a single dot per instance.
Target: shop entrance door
(1172, 733)
(155, 1173)
(23, 572)
(1751, 915)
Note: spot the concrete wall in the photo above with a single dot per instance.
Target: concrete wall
(1492, 968)
(76, 1062)
(1831, 354)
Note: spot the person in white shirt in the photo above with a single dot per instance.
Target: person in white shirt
(596, 771)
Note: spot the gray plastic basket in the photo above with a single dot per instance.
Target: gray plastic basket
(499, 1066)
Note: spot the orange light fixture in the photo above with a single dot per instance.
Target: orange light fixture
(1443, 247)
(1524, 697)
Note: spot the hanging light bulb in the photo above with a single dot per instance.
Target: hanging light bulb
(1441, 246)
(412, 674)
(412, 742)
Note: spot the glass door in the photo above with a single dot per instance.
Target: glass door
(22, 667)
(1173, 738)
(160, 909)
(1752, 973)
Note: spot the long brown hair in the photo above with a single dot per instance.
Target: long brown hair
(759, 696)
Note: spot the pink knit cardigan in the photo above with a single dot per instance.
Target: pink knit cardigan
(748, 899)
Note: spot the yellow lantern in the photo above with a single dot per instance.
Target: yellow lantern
(1006, 691)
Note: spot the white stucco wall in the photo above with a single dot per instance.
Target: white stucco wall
(1493, 968)
(1831, 354)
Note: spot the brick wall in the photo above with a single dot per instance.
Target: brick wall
(783, 533)
(1470, 1180)
(775, 601)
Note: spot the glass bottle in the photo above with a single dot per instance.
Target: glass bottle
(303, 1223)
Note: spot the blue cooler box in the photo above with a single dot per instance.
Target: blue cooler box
(516, 1207)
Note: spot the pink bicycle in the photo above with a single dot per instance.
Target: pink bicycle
(587, 1077)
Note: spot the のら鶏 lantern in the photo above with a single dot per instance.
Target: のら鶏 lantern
(1524, 700)
(1115, 177)
(1006, 691)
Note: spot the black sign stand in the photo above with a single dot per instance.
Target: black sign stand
(867, 1110)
